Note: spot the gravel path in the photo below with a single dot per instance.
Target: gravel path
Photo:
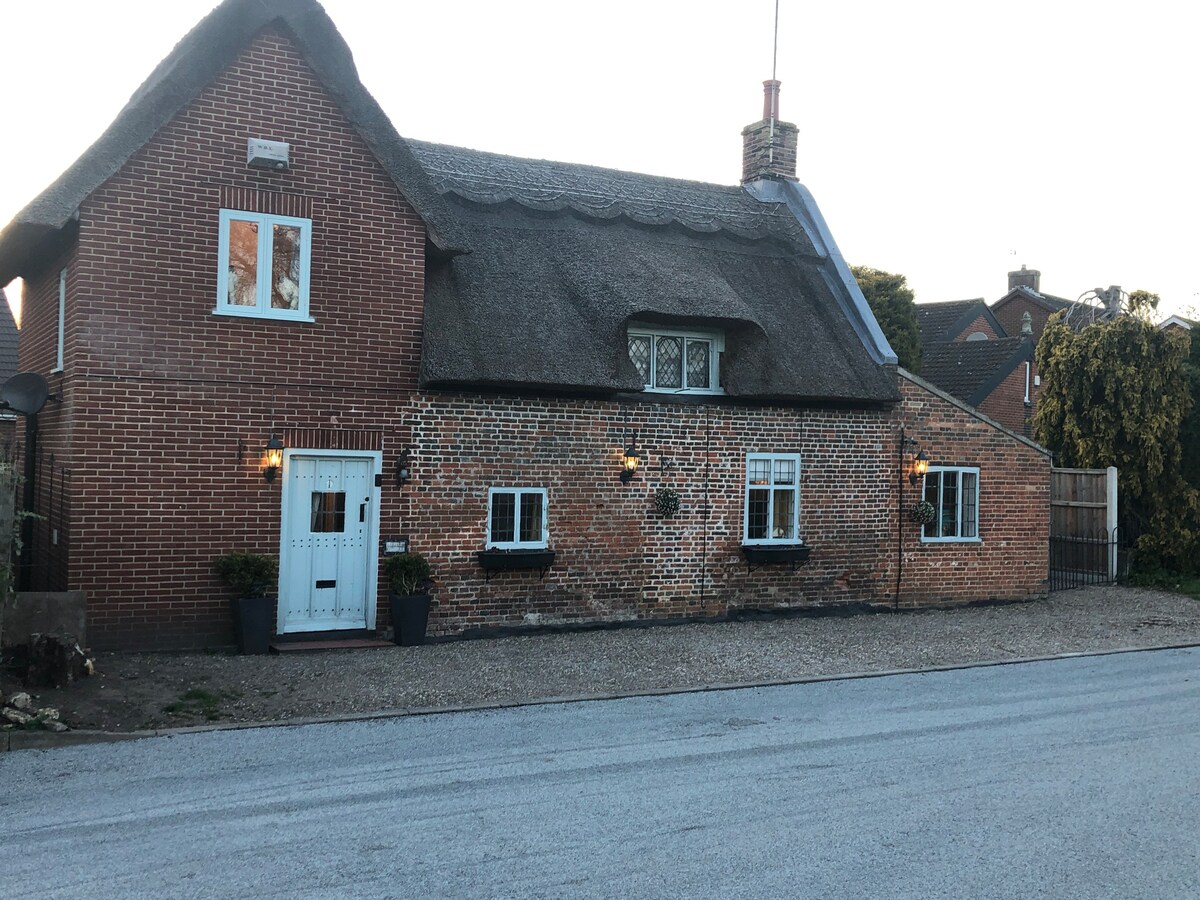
(131, 691)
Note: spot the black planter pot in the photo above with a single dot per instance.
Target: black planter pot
(252, 623)
(410, 618)
(767, 555)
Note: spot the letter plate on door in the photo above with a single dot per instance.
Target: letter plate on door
(326, 584)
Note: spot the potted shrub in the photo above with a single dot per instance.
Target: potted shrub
(408, 584)
(252, 577)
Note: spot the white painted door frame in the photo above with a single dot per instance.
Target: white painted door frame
(372, 536)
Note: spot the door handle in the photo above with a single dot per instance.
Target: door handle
(362, 512)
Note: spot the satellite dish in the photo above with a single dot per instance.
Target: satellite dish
(25, 392)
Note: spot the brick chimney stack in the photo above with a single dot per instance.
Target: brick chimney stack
(1030, 278)
(769, 146)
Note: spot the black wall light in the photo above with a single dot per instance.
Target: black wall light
(919, 467)
(272, 458)
(630, 461)
(403, 469)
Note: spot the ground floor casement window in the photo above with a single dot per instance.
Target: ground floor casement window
(772, 512)
(517, 519)
(954, 493)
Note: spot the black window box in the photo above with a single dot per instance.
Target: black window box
(508, 560)
(775, 555)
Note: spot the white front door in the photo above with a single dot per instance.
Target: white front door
(328, 558)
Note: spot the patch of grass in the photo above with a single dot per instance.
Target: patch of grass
(1188, 585)
(197, 703)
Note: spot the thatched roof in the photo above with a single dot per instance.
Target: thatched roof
(563, 257)
(196, 60)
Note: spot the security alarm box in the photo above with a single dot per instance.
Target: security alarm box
(267, 154)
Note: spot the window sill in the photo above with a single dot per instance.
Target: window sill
(775, 555)
(256, 314)
(683, 392)
(935, 541)
(511, 560)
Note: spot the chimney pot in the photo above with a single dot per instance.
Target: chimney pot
(1029, 278)
(771, 99)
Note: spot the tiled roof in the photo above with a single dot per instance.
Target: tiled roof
(969, 370)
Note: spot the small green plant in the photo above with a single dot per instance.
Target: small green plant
(199, 703)
(406, 573)
(666, 501)
(249, 574)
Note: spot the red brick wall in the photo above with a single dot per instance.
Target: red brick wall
(618, 559)
(1009, 315)
(167, 407)
(163, 390)
(1006, 403)
(1011, 560)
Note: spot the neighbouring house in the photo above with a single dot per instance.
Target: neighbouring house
(462, 354)
(967, 352)
(1177, 323)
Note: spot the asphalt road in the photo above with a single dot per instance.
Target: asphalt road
(1076, 778)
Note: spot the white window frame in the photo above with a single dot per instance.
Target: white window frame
(716, 342)
(518, 544)
(961, 470)
(262, 309)
(796, 537)
(62, 321)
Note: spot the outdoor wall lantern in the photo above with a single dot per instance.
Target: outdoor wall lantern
(403, 469)
(272, 458)
(919, 467)
(630, 461)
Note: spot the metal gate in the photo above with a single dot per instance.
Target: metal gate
(1085, 543)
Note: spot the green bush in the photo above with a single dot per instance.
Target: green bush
(249, 574)
(406, 573)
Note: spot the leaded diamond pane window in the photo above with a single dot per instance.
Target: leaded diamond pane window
(639, 353)
(668, 357)
(676, 361)
(697, 363)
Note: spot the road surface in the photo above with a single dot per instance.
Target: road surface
(1075, 778)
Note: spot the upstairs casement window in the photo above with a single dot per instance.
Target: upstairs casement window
(677, 362)
(772, 499)
(263, 265)
(954, 493)
(517, 519)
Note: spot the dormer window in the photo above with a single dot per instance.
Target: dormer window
(675, 361)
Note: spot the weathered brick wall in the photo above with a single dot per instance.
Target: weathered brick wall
(617, 559)
(1012, 558)
(163, 390)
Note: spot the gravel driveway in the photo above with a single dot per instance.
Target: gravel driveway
(140, 691)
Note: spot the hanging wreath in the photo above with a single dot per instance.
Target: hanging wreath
(666, 501)
(923, 512)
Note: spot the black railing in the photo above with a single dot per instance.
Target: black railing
(1076, 561)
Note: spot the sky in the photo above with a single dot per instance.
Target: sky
(951, 142)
